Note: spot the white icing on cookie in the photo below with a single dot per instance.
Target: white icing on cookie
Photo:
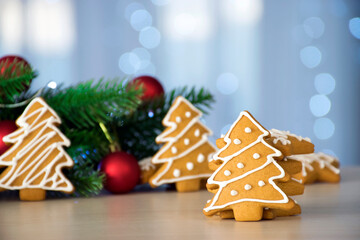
(145, 164)
(233, 192)
(237, 141)
(188, 114)
(256, 156)
(189, 166)
(197, 133)
(226, 159)
(227, 173)
(240, 165)
(247, 187)
(200, 158)
(51, 175)
(178, 119)
(186, 141)
(248, 130)
(173, 149)
(322, 159)
(261, 183)
(176, 173)
(282, 136)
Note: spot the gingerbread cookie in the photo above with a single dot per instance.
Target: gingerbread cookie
(186, 152)
(290, 144)
(35, 159)
(317, 167)
(248, 180)
(147, 169)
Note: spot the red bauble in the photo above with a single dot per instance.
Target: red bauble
(6, 127)
(6, 61)
(152, 87)
(122, 172)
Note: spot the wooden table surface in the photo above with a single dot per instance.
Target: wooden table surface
(330, 211)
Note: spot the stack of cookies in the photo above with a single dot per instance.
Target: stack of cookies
(256, 170)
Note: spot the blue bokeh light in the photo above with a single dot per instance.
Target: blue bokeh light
(354, 27)
(314, 27)
(160, 2)
(129, 63)
(310, 56)
(132, 7)
(324, 128)
(227, 83)
(140, 19)
(320, 105)
(324, 83)
(149, 37)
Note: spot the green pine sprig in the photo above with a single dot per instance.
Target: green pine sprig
(88, 103)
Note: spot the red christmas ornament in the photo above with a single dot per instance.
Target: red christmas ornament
(152, 87)
(122, 172)
(6, 127)
(7, 61)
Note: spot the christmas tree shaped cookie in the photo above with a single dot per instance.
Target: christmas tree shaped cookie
(185, 154)
(35, 160)
(248, 183)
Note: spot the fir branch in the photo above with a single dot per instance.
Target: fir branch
(88, 103)
(84, 175)
(14, 80)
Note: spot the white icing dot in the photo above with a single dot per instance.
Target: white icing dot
(208, 201)
(188, 114)
(173, 149)
(256, 156)
(197, 133)
(176, 173)
(266, 208)
(190, 166)
(222, 136)
(237, 141)
(233, 193)
(261, 183)
(178, 119)
(248, 130)
(186, 141)
(200, 158)
(227, 173)
(240, 165)
(247, 187)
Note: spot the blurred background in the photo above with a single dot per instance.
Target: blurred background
(293, 64)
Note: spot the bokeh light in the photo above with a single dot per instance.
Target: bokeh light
(324, 128)
(310, 56)
(324, 83)
(314, 27)
(140, 19)
(320, 105)
(160, 2)
(227, 83)
(354, 27)
(132, 7)
(244, 11)
(149, 37)
(129, 63)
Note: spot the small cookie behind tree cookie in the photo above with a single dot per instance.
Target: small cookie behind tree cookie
(317, 167)
(35, 160)
(183, 159)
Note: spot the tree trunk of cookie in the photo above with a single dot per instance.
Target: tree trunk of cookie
(32, 194)
(188, 185)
